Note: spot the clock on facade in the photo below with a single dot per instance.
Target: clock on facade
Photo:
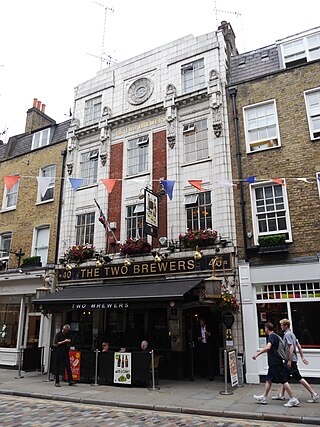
(140, 90)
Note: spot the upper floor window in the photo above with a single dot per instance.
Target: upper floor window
(318, 180)
(11, 196)
(312, 98)
(5, 248)
(50, 173)
(134, 221)
(85, 228)
(41, 243)
(192, 75)
(261, 126)
(138, 154)
(195, 139)
(270, 210)
(199, 210)
(92, 110)
(41, 138)
(89, 167)
(301, 50)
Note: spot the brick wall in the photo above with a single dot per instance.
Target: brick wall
(114, 206)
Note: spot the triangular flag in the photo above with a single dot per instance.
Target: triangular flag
(168, 186)
(10, 181)
(225, 183)
(109, 183)
(43, 182)
(75, 183)
(196, 183)
(318, 178)
(305, 180)
(250, 179)
(278, 181)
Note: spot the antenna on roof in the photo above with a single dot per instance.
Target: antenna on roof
(228, 12)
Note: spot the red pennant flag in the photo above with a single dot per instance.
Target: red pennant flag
(278, 181)
(10, 181)
(109, 183)
(197, 184)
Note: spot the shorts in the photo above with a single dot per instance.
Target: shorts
(293, 372)
(277, 374)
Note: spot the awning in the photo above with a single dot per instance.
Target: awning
(162, 290)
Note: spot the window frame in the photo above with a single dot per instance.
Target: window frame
(37, 247)
(255, 213)
(88, 167)
(139, 152)
(307, 95)
(303, 55)
(5, 258)
(82, 229)
(14, 190)
(132, 221)
(192, 208)
(51, 184)
(90, 115)
(198, 81)
(195, 140)
(263, 140)
(42, 141)
(318, 182)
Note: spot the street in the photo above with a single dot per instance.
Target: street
(18, 411)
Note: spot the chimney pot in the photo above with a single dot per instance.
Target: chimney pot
(38, 105)
(35, 100)
(43, 107)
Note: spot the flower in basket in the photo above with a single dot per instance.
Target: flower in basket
(193, 238)
(135, 246)
(228, 301)
(80, 253)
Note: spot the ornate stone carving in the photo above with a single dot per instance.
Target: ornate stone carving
(105, 134)
(171, 115)
(214, 89)
(139, 91)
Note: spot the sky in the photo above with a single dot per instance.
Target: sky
(48, 47)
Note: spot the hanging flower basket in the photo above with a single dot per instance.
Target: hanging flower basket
(228, 301)
(135, 247)
(80, 253)
(200, 238)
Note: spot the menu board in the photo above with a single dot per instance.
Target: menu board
(122, 368)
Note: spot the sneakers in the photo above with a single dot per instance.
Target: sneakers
(314, 398)
(278, 397)
(57, 384)
(261, 399)
(292, 402)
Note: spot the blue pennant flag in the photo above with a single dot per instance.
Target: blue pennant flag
(75, 183)
(168, 186)
(251, 179)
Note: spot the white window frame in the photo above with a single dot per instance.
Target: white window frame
(255, 213)
(92, 110)
(267, 123)
(302, 50)
(41, 138)
(195, 141)
(14, 191)
(89, 167)
(48, 171)
(138, 152)
(85, 228)
(312, 115)
(318, 181)
(41, 249)
(194, 204)
(193, 75)
(4, 255)
(136, 213)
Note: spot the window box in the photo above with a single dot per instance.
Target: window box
(273, 243)
(201, 238)
(33, 261)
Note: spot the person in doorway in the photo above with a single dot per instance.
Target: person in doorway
(62, 343)
(145, 346)
(105, 346)
(205, 350)
(291, 341)
(276, 372)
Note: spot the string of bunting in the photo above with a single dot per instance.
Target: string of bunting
(168, 185)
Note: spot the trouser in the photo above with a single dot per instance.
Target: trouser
(62, 363)
(206, 360)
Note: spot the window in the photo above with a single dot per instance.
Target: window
(198, 207)
(9, 320)
(318, 180)
(134, 221)
(41, 245)
(89, 167)
(138, 153)
(5, 247)
(301, 50)
(40, 139)
(313, 110)
(261, 126)
(270, 210)
(48, 172)
(11, 196)
(85, 228)
(92, 110)
(192, 76)
(195, 139)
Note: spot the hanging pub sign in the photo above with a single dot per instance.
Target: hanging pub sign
(151, 203)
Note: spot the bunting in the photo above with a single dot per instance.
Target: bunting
(10, 181)
(278, 181)
(109, 183)
(168, 186)
(43, 183)
(197, 184)
(75, 183)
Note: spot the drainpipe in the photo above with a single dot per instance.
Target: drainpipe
(64, 154)
(233, 94)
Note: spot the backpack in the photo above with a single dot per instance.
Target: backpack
(283, 350)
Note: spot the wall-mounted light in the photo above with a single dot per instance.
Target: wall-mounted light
(197, 254)
(68, 267)
(128, 261)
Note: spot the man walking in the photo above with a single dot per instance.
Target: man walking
(62, 342)
(291, 341)
(276, 371)
(205, 350)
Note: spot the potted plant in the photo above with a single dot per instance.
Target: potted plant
(273, 243)
(201, 238)
(32, 261)
(135, 247)
(80, 253)
(228, 301)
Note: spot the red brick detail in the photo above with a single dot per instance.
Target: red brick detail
(160, 172)
(115, 197)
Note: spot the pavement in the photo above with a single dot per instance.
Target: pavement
(199, 397)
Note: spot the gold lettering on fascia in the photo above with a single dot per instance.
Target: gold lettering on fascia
(140, 125)
(104, 305)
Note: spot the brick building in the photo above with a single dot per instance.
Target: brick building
(274, 106)
(29, 220)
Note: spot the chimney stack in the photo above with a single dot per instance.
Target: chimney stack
(36, 117)
(35, 102)
(43, 107)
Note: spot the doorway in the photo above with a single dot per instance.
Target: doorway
(34, 321)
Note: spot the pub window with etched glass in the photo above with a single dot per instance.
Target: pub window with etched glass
(199, 210)
(137, 155)
(134, 221)
(195, 141)
(85, 228)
